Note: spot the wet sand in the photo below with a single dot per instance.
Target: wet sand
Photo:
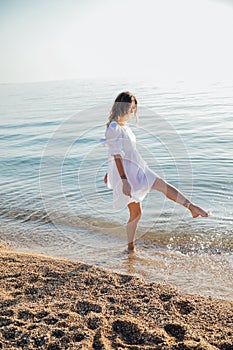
(52, 303)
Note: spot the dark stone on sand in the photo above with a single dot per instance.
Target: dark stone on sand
(116, 310)
(175, 330)
(51, 320)
(97, 342)
(33, 279)
(104, 290)
(185, 307)
(167, 306)
(7, 313)
(39, 341)
(7, 303)
(129, 332)
(226, 346)
(136, 309)
(25, 314)
(24, 340)
(84, 307)
(41, 314)
(58, 333)
(90, 281)
(4, 321)
(18, 286)
(54, 346)
(94, 322)
(31, 291)
(18, 323)
(51, 273)
(78, 337)
(146, 300)
(32, 326)
(111, 300)
(10, 333)
(64, 341)
(165, 297)
(125, 279)
(62, 324)
(141, 296)
(153, 339)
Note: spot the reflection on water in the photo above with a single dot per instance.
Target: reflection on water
(192, 273)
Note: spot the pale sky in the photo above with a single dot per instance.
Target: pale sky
(71, 39)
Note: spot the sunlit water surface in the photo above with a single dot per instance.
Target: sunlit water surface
(54, 200)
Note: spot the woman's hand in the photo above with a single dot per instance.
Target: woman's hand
(126, 188)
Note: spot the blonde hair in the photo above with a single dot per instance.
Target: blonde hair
(121, 106)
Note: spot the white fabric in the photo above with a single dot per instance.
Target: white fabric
(121, 140)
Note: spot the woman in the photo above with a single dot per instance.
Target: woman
(129, 176)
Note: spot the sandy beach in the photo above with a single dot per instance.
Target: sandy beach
(52, 303)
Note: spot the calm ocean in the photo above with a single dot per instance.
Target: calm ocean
(54, 200)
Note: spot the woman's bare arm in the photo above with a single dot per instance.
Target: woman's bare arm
(120, 168)
(119, 164)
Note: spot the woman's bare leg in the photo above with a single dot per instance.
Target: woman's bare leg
(176, 196)
(135, 211)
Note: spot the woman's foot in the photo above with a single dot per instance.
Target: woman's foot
(197, 211)
(131, 247)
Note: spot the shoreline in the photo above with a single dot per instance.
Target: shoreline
(54, 303)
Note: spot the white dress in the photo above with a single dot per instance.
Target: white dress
(121, 140)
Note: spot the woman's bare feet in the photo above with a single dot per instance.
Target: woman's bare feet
(197, 211)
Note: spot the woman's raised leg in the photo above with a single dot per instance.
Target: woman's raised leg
(176, 196)
(135, 211)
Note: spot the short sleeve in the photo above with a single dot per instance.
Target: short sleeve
(114, 139)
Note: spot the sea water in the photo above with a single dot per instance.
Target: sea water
(52, 165)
